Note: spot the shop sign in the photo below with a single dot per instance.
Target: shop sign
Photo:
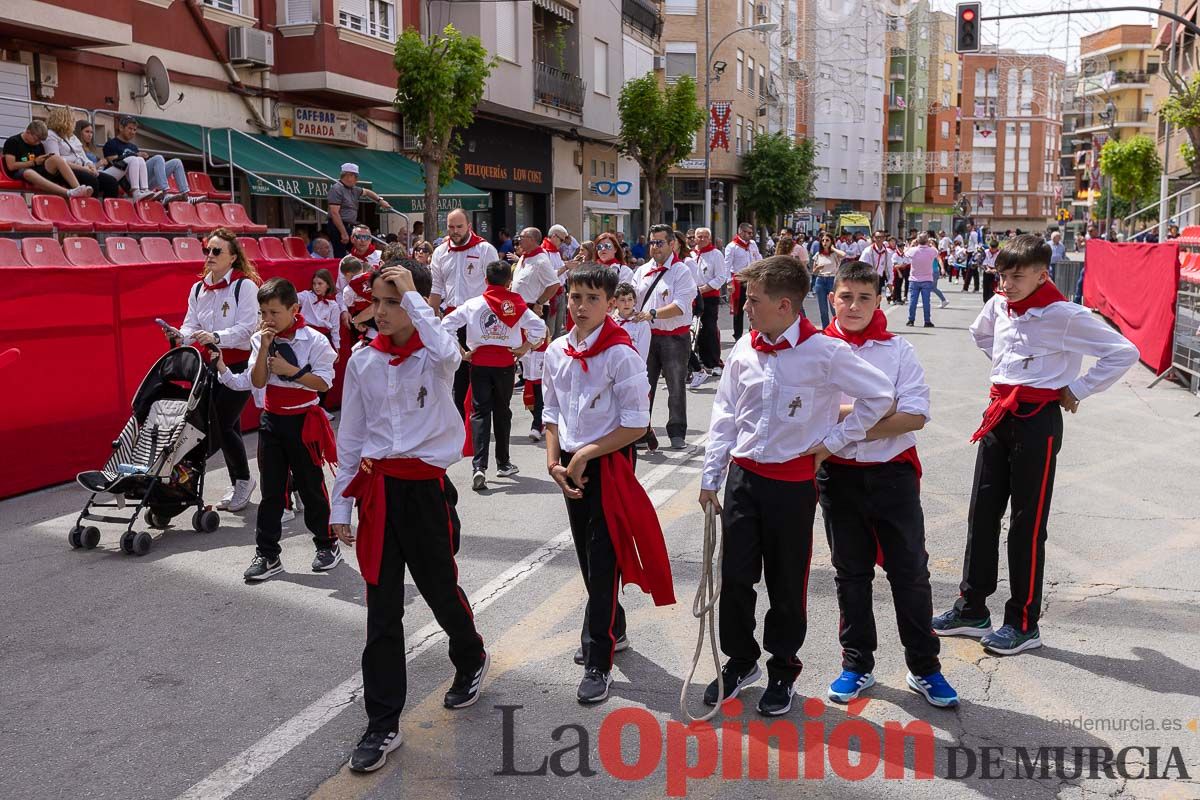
(336, 126)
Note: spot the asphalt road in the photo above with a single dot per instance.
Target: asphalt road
(166, 676)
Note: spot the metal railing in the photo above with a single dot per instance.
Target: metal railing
(1155, 203)
(1096, 119)
(557, 89)
(896, 134)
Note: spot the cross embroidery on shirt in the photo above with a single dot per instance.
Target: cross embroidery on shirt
(594, 399)
(225, 309)
(421, 397)
(1025, 362)
(470, 267)
(792, 406)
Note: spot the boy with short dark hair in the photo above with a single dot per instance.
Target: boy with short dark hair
(1036, 340)
(597, 404)
(399, 432)
(775, 416)
(870, 494)
(625, 313)
(294, 363)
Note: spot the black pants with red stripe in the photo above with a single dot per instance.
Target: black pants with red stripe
(491, 394)
(1015, 460)
(421, 532)
(462, 379)
(767, 525)
(867, 510)
(603, 617)
(281, 453)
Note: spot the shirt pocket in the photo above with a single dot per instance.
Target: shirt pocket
(594, 406)
(794, 404)
(412, 395)
(1033, 362)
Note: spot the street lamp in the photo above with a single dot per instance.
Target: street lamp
(762, 27)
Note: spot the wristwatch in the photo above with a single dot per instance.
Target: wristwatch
(216, 338)
(653, 314)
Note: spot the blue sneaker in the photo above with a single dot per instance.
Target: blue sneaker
(849, 685)
(952, 623)
(1008, 641)
(935, 689)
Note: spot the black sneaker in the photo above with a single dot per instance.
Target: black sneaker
(327, 558)
(465, 689)
(373, 747)
(953, 623)
(594, 686)
(262, 568)
(929, 325)
(909, 324)
(581, 657)
(734, 683)
(651, 442)
(777, 699)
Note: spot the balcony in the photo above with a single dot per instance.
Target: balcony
(897, 72)
(642, 15)
(557, 89)
(896, 133)
(895, 192)
(1121, 79)
(1094, 120)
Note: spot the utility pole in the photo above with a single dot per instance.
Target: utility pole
(1164, 180)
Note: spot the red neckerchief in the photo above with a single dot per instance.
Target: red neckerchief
(508, 305)
(600, 258)
(655, 270)
(879, 250)
(549, 246)
(876, 330)
(760, 344)
(361, 284)
(400, 352)
(290, 333)
(325, 298)
(535, 251)
(221, 284)
(472, 240)
(1041, 297)
(611, 334)
(740, 243)
(706, 248)
(363, 256)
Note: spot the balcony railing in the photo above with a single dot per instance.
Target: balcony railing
(557, 89)
(895, 192)
(896, 134)
(642, 15)
(1094, 119)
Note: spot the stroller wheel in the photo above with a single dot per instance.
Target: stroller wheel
(141, 543)
(90, 537)
(74, 537)
(127, 543)
(157, 520)
(206, 521)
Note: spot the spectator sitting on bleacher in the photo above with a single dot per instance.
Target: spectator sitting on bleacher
(322, 247)
(25, 158)
(85, 133)
(147, 176)
(62, 141)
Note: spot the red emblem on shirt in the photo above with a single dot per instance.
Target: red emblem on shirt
(508, 308)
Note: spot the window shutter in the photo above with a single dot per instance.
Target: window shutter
(506, 30)
(299, 11)
(355, 8)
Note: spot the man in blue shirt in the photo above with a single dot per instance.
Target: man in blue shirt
(120, 149)
(639, 249)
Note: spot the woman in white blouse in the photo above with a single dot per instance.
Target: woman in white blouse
(824, 267)
(62, 141)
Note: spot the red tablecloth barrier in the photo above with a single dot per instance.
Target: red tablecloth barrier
(1134, 286)
(86, 337)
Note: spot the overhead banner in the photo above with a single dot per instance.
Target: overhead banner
(718, 126)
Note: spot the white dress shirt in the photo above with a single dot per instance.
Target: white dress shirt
(896, 359)
(624, 273)
(325, 315)
(485, 328)
(639, 331)
(234, 319)
(738, 258)
(533, 276)
(310, 347)
(402, 411)
(1044, 347)
(881, 260)
(709, 270)
(677, 288)
(459, 275)
(770, 408)
(588, 405)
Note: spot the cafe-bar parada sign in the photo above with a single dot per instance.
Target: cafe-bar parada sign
(337, 126)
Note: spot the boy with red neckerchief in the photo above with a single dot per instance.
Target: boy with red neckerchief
(870, 493)
(741, 252)
(399, 433)
(293, 363)
(775, 416)
(597, 406)
(1036, 340)
(500, 328)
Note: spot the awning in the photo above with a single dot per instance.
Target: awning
(557, 9)
(306, 169)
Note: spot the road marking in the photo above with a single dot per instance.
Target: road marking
(254, 760)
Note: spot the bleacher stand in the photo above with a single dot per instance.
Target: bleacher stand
(84, 251)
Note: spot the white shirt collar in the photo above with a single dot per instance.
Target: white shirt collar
(587, 343)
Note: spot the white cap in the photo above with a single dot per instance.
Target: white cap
(351, 168)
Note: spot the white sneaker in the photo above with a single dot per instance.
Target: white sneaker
(479, 481)
(80, 191)
(716, 371)
(172, 197)
(287, 516)
(698, 379)
(223, 505)
(945, 304)
(535, 435)
(507, 471)
(241, 494)
(143, 194)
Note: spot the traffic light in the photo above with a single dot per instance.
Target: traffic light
(966, 33)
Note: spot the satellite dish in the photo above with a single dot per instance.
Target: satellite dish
(157, 83)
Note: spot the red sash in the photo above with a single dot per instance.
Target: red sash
(633, 527)
(316, 434)
(673, 332)
(798, 470)
(234, 355)
(1006, 398)
(491, 355)
(909, 456)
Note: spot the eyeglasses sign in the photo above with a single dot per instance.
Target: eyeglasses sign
(610, 188)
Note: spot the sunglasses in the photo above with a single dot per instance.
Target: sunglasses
(362, 236)
(658, 242)
(213, 251)
(605, 246)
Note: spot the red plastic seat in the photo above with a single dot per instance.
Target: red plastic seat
(157, 248)
(84, 251)
(10, 184)
(10, 254)
(235, 214)
(250, 248)
(42, 251)
(14, 211)
(202, 182)
(295, 247)
(272, 248)
(124, 216)
(153, 213)
(53, 209)
(173, 187)
(91, 210)
(187, 248)
(184, 213)
(124, 250)
(211, 218)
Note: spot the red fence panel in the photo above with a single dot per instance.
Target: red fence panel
(1134, 286)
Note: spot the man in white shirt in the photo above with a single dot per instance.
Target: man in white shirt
(880, 259)
(535, 279)
(741, 252)
(710, 272)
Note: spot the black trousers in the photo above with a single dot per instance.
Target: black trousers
(335, 238)
(462, 378)
(989, 285)
(900, 284)
(603, 616)
(970, 274)
(228, 406)
(708, 344)
(739, 308)
(767, 525)
(866, 508)
(668, 357)
(1015, 462)
(491, 394)
(421, 532)
(281, 453)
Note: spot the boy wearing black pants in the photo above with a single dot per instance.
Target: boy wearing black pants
(871, 501)
(1036, 340)
(399, 432)
(775, 416)
(294, 363)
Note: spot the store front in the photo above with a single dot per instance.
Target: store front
(513, 164)
(608, 191)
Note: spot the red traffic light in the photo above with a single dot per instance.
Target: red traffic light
(968, 14)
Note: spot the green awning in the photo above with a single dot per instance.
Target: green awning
(303, 168)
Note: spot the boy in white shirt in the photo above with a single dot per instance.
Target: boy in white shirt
(711, 274)
(625, 314)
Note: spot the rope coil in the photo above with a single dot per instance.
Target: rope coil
(705, 605)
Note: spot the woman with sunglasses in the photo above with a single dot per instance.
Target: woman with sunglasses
(423, 252)
(223, 313)
(609, 252)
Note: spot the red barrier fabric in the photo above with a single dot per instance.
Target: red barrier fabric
(1134, 285)
(86, 337)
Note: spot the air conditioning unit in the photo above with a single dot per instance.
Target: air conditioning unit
(660, 63)
(761, 12)
(251, 47)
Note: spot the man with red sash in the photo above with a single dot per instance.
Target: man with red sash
(500, 328)
(536, 280)
(741, 252)
(1036, 340)
(399, 432)
(775, 416)
(293, 363)
(597, 406)
(870, 493)
(711, 273)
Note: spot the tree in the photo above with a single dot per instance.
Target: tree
(1132, 166)
(440, 83)
(1182, 109)
(779, 176)
(657, 127)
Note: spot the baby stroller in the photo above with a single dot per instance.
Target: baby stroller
(159, 459)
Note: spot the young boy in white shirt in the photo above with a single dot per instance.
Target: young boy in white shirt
(625, 314)
(775, 416)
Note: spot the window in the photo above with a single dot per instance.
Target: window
(1022, 205)
(825, 174)
(875, 177)
(825, 139)
(741, 123)
(862, 177)
(762, 81)
(924, 32)
(844, 175)
(506, 30)
(945, 100)
(750, 75)
(948, 43)
(922, 63)
(600, 69)
(878, 115)
(845, 142)
(299, 12)
(680, 7)
(594, 173)
(945, 129)
(741, 14)
(943, 185)
(749, 136)
(233, 6)
(947, 71)
(741, 65)
(680, 60)
(862, 144)
(920, 123)
(762, 129)
(1006, 205)
(371, 17)
(876, 143)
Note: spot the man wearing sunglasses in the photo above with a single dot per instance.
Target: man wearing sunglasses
(362, 246)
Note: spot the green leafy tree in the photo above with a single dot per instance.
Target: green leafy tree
(439, 86)
(1182, 110)
(1133, 167)
(779, 176)
(657, 126)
